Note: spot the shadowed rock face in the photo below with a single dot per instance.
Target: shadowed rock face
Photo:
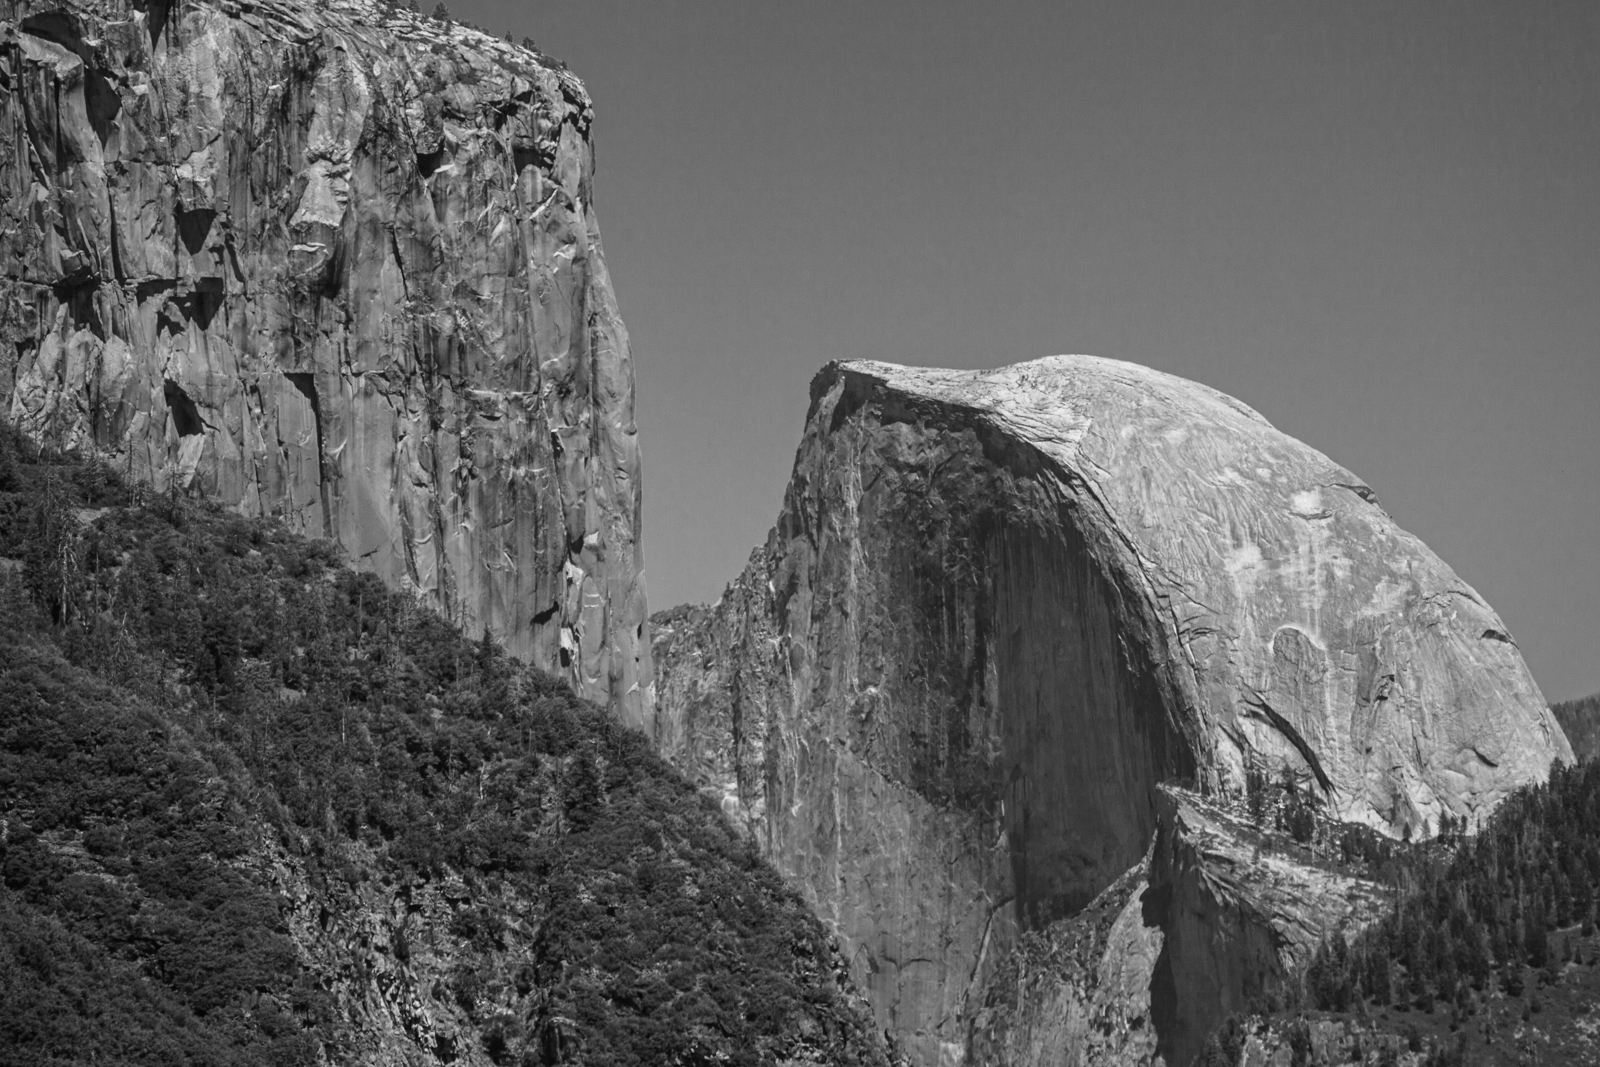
(999, 607)
(1238, 914)
(337, 263)
(1220, 913)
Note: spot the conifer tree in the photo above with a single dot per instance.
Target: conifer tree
(10, 479)
(583, 790)
(51, 566)
(1379, 979)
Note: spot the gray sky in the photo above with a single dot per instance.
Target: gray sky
(1376, 223)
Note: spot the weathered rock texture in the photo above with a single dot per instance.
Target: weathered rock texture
(999, 607)
(337, 263)
(1239, 914)
(1328, 1043)
(1077, 993)
(1220, 914)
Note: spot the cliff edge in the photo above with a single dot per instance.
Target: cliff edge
(336, 263)
(1000, 607)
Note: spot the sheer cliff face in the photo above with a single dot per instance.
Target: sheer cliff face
(1220, 913)
(338, 263)
(1239, 913)
(999, 607)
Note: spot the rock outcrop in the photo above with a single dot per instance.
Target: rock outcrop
(338, 263)
(1220, 916)
(1327, 1043)
(1239, 914)
(1077, 993)
(1000, 607)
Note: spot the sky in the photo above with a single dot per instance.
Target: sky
(1378, 224)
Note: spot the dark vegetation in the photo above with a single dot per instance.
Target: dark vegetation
(223, 755)
(1478, 913)
(1490, 936)
(441, 14)
(1580, 719)
(1288, 811)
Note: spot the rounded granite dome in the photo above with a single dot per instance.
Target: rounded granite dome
(1297, 621)
(1000, 609)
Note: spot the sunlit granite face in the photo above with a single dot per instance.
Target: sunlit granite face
(999, 607)
(335, 262)
(1299, 623)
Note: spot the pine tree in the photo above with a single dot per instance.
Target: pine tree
(10, 477)
(1476, 963)
(1211, 1054)
(1511, 979)
(1538, 941)
(1255, 793)
(1320, 979)
(1378, 981)
(51, 567)
(583, 790)
(1344, 982)
(1299, 1036)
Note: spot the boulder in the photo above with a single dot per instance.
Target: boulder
(334, 262)
(1000, 607)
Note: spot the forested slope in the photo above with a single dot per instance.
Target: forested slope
(254, 808)
(1581, 720)
(1488, 953)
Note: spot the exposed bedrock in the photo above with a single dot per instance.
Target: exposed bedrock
(1219, 913)
(335, 262)
(1239, 912)
(1076, 993)
(1000, 607)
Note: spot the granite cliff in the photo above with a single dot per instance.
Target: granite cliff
(336, 263)
(1220, 915)
(999, 608)
(1240, 912)
(1076, 993)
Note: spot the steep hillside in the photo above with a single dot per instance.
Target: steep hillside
(257, 809)
(1580, 719)
(1487, 952)
(335, 263)
(1322, 944)
(1000, 608)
